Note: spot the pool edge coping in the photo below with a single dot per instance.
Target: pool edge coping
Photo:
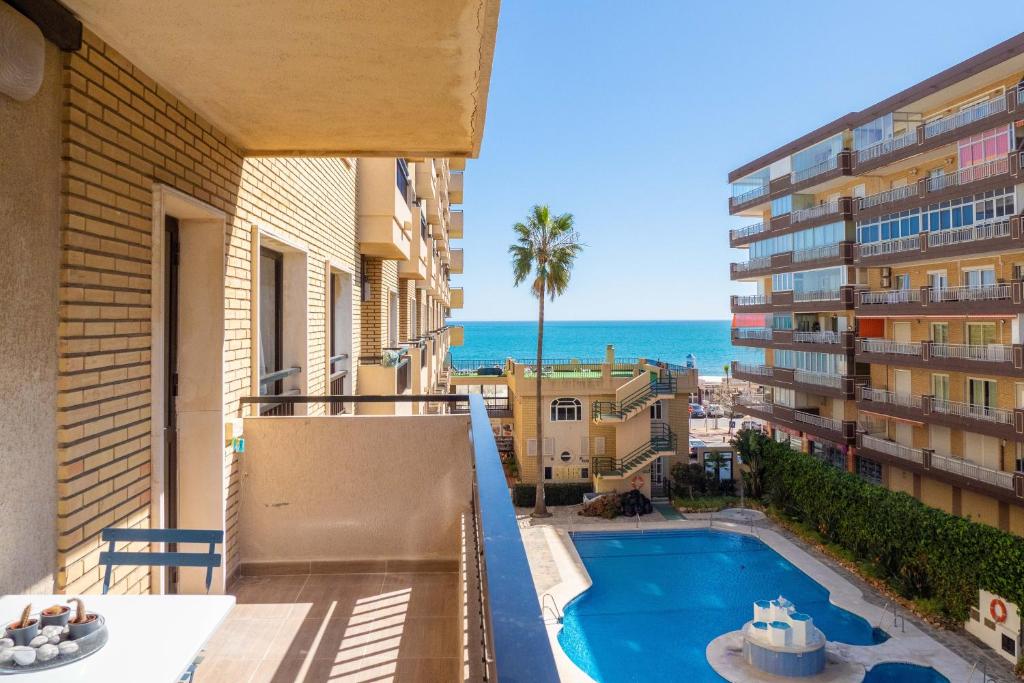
(914, 645)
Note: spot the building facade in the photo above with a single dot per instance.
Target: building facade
(887, 253)
(162, 267)
(619, 423)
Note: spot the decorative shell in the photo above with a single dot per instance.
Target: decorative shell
(39, 640)
(24, 655)
(46, 652)
(68, 647)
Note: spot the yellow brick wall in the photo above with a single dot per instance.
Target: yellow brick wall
(123, 134)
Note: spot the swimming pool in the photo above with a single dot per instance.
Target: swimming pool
(898, 672)
(658, 598)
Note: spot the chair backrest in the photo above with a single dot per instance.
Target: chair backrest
(209, 559)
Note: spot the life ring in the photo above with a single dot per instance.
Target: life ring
(638, 482)
(997, 608)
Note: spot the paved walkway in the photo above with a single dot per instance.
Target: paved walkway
(558, 570)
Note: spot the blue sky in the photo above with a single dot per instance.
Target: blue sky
(630, 116)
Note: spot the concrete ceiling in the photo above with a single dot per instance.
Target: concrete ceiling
(351, 77)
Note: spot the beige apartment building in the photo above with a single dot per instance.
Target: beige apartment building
(177, 241)
(889, 269)
(619, 423)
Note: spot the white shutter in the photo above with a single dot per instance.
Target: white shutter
(584, 446)
(598, 445)
(549, 445)
(531, 447)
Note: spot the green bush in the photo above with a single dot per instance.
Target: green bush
(525, 495)
(922, 552)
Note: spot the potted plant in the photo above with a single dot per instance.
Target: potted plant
(24, 629)
(84, 623)
(56, 615)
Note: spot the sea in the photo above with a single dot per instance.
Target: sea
(667, 340)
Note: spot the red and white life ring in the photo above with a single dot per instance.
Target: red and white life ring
(997, 608)
(638, 482)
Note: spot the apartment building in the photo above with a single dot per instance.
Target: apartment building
(619, 423)
(887, 254)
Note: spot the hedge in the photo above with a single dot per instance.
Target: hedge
(525, 495)
(923, 552)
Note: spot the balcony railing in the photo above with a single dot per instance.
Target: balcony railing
(962, 118)
(823, 379)
(752, 264)
(753, 299)
(892, 448)
(752, 369)
(764, 333)
(803, 174)
(970, 470)
(890, 397)
(754, 402)
(749, 195)
(810, 213)
(894, 195)
(972, 411)
(817, 295)
(991, 292)
(818, 421)
(971, 233)
(993, 353)
(884, 147)
(889, 346)
(820, 337)
(747, 231)
(894, 296)
(969, 174)
(912, 243)
(817, 253)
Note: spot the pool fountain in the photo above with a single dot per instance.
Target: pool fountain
(782, 641)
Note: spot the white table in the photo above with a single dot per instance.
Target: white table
(151, 637)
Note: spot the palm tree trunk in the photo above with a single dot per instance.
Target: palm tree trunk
(539, 507)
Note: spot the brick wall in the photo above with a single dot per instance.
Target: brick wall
(124, 133)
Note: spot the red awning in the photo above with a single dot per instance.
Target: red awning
(751, 320)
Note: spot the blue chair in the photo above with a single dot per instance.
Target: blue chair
(209, 559)
(113, 557)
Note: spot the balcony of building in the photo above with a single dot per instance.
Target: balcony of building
(456, 335)
(960, 472)
(336, 582)
(819, 383)
(838, 254)
(822, 341)
(455, 226)
(456, 182)
(1004, 423)
(426, 179)
(415, 267)
(992, 174)
(814, 177)
(987, 237)
(455, 298)
(739, 237)
(840, 299)
(387, 374)
(994, 359)
(1001, 298)
(456, 262)
(925, 137)
(383, 208)
(802, 218)
(803, 420)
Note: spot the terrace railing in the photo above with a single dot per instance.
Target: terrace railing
(970, 233)
(824, 379)
(752, 369)
(763, 333)
(969, 174)
(967, 116)
(817, 253)
(810, 213)
(884, 147)
(888, 346)
(753, 299)
(803, 174)
(990, 292)
(972, 411)
(753, 264)
(747, 230)
(819, 337)
(911, 243)
(818, 420)
(749, 195)
(993, 353)
(892, 448)
(892, 296)
(970, 470)
(817, 295)
(894, 195)
(890, 397)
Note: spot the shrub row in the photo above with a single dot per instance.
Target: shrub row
(922, 552)
(525, 495)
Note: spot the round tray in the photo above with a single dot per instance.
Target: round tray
(87, 645)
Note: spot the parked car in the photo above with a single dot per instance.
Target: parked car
(714, 410)
(697, 411)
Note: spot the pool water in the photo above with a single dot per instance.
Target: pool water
(898, 672)
(659, 597)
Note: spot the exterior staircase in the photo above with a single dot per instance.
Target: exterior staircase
(633, 404)
(663, 442)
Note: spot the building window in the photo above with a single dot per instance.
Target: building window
(566, 410)
(830, 454)
(869, 470)
(977, 149)
(940, 333)
(547, 472)
(940, 387)
(983, 392)
(1009, 645)
(271, 319)
(656, 410)
(585, 473)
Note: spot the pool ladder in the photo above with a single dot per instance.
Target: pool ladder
(984, 671)
(897, 619)
(553, 607)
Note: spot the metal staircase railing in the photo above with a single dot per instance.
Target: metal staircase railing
(663, 440)
(637, 400)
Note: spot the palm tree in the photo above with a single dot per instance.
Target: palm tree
(545, 249)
